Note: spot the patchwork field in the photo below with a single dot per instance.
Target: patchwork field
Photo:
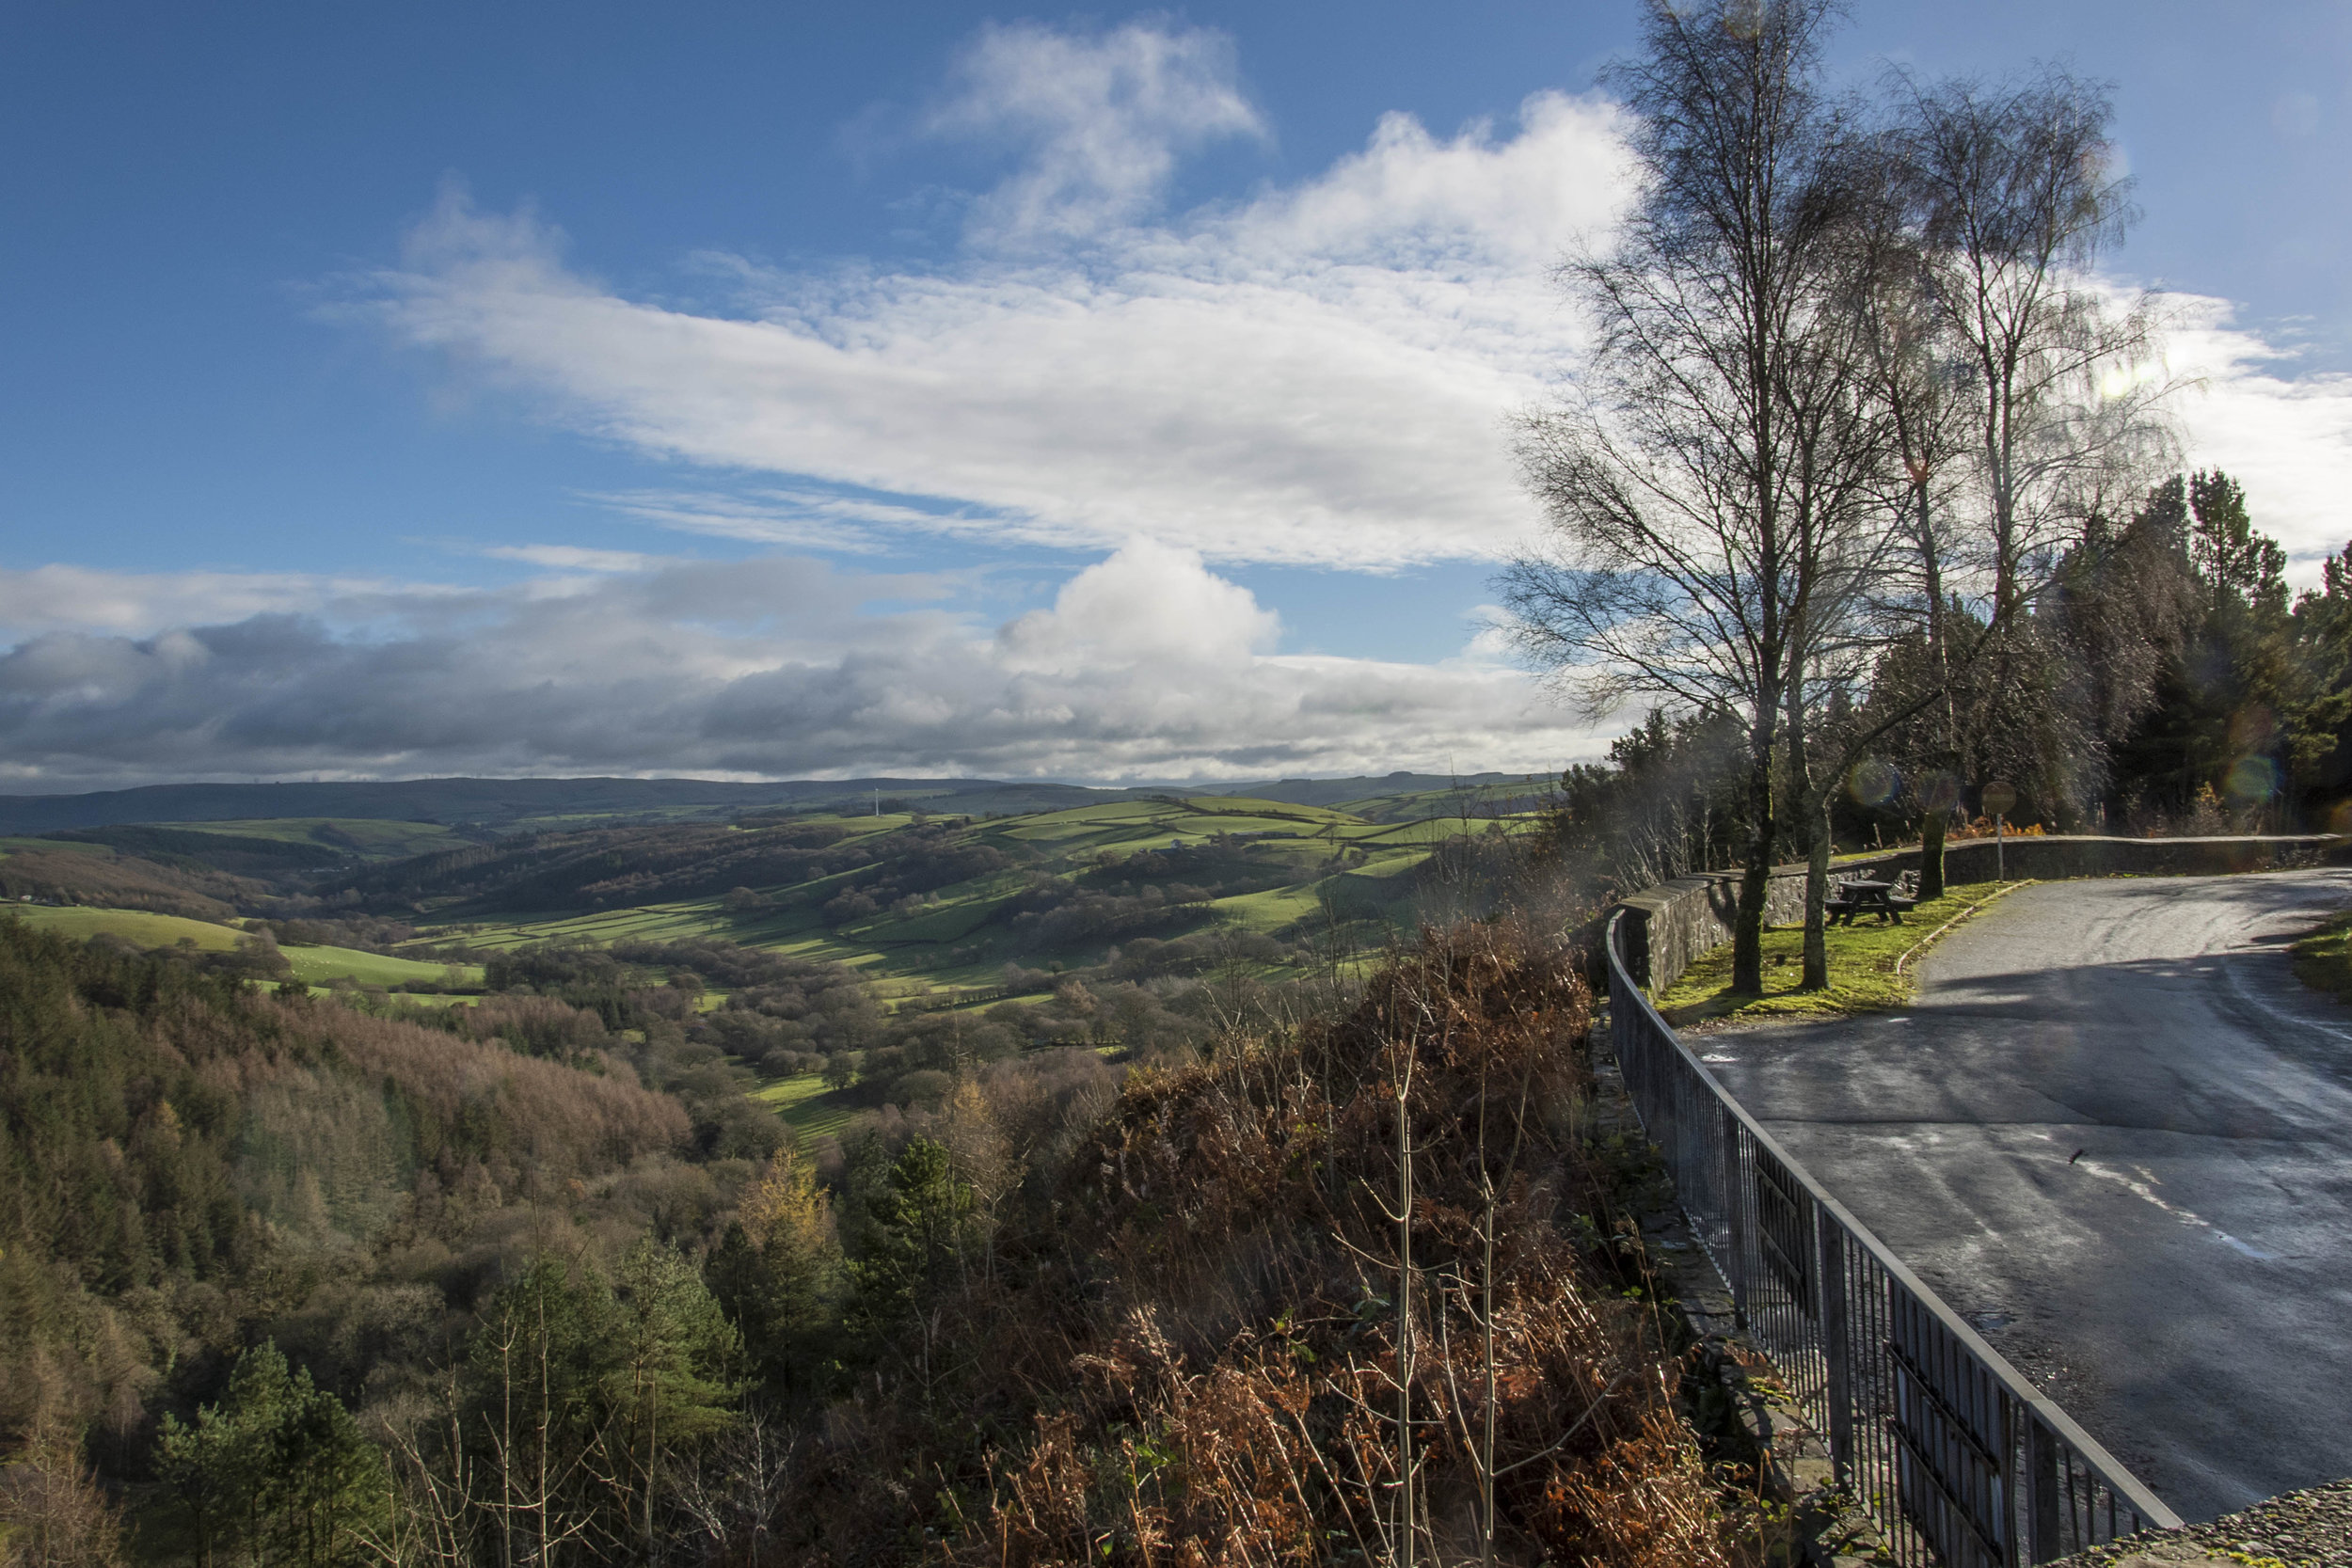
(365, 837)
(312, 966)
(133, 925)
(1212, 861)
(809, 1108)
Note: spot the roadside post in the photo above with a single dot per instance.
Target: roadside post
(2000, 799)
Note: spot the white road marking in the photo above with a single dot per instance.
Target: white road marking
(2145, 1189)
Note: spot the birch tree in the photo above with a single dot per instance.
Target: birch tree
(1703, 484)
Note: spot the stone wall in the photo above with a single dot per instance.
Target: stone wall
(1672, 924)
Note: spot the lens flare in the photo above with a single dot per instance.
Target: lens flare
(2253, 780)
(1939, 792)
(1873, 782)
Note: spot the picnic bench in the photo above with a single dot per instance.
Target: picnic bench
(1864, 895)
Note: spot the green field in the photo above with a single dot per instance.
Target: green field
(317, 965)
(807, 1105)
(312, 966)
(956, 935)
(364, 837)
(133, 925)
(43, 846)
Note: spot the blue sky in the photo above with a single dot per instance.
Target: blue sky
(798, 389)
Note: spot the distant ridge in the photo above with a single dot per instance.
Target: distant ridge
(497, 804)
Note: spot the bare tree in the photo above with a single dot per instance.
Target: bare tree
(2027, 403)
(2014, 196)
(1706, 484)
(1924, 380)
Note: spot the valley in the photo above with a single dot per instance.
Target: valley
(1037, 928)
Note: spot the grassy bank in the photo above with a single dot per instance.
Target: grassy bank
(1864, 972)
(2323, 960)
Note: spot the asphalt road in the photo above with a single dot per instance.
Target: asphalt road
(2181, 1285)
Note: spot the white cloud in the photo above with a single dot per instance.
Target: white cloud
(1317, 375)
(2286, 439)
(1100, 120)
(1148, 665)
(806, 520)
(1150, 604)
(60, 597)
(570, 558)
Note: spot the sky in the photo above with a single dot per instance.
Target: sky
(798, 391)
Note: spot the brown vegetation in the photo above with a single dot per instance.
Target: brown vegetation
(1191, 1351)
(84, 876)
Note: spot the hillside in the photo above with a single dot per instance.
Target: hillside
(953, 900)
(497, 805)
(283, 1279)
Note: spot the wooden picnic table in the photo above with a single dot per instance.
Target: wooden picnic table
(1865, 896)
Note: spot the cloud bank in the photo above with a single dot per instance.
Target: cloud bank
(1148, 665)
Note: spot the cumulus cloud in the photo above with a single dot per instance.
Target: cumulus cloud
(2287, 438)
(1100, 121)
(1148, 665)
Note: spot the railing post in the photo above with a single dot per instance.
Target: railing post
(2044, 1540)
(1836, 1358)
(1736, 1215)
(1931, 1430)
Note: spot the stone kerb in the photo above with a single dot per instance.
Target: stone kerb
(1670, 925)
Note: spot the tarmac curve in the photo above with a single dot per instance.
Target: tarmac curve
(2115, 1133)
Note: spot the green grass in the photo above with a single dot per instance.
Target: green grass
(316, 965)
(312, 966)
(957, 937)
(367, 837)
(1862, 971)
(2323, 960)
(133, 925)
(807, 1107)
(41, 845)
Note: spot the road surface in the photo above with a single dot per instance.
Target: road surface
(2115, 1133)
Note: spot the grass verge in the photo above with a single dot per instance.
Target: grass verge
(2323, 960)
(1865, 973)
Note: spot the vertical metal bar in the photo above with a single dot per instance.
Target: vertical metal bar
(2044, 1540)
(1736, 1215)
(1948, 1452)
(1830, 1270)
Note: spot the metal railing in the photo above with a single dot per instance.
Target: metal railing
(1960, 1460)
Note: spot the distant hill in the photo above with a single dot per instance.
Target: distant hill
(1351, 792)
(504, 804)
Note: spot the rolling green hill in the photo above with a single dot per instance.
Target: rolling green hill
(919, 897)
(506, 805)
(952, 901)
(312, 965)
(140, 927)
(360, 837)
